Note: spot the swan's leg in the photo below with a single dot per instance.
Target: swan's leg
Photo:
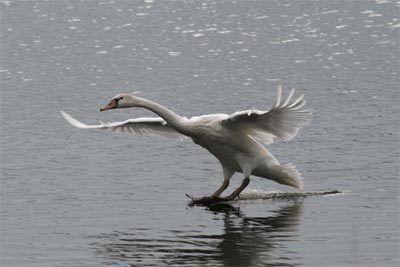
(227, 176)
(238, 190)
(247, 169)
(216, 199)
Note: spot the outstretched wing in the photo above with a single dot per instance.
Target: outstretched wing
(284, 120)
(141, 126)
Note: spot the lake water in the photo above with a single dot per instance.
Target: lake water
(71, 197)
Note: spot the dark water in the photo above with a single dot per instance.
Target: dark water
(84, 198)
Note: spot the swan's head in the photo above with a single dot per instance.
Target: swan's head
(123, 100)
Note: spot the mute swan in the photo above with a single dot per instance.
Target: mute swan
(235, 140)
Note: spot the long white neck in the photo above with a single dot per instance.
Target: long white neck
(174, 120)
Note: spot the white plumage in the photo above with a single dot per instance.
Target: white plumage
(141, 126)
(232, 139)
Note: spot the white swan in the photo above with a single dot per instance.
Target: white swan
(233, 139)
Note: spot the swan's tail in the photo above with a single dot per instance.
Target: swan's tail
(286, 174)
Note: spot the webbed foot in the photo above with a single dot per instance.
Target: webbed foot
(208, 200)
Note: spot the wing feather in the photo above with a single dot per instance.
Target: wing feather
(141, 126)
(283, 120)
(289, 98)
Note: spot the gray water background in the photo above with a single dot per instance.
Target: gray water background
(71, 197)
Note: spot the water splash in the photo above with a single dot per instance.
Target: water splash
(271, 194)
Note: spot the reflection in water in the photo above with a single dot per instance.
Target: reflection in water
(244, 241)
(249, 241)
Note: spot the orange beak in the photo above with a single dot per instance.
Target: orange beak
(111, 105)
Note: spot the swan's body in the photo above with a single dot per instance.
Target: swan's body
(235, 140)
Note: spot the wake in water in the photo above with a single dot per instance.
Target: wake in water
(258, 194)
(262, 195)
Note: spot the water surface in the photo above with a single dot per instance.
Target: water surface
(84, 198)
